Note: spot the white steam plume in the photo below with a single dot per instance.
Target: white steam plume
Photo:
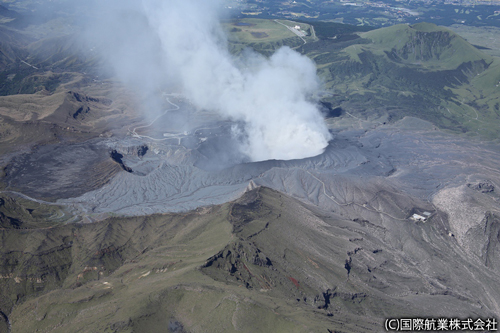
(269, 95)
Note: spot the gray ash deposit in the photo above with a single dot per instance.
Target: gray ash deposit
(357, 170)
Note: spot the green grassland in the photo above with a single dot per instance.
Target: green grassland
(257, 30)
(484, 37)
(264, 36)
(426, 45)
(423, 70)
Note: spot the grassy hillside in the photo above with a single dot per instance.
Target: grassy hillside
(423, 70)
(425, 45)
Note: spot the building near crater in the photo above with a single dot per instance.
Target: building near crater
(418, 217)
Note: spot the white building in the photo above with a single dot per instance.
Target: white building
(417, 217)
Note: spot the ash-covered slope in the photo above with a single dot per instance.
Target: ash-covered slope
(264, 262)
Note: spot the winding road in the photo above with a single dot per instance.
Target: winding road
(352, 202)
(175, 108)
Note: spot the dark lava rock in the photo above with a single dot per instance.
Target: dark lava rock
(483, 187)
(118, 158)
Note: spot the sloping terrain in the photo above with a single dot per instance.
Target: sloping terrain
(337, 243)
(423, 71)
(11, 44)
(265, 262)
(425, 45)
(49, 89)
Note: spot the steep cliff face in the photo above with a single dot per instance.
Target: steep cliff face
(424, 46)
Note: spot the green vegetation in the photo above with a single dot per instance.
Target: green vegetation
(265, 262)
(214, 269)
(425, 45)
(423, 71)
(63, 269)
(19, 213)
(27, 81)
(264, 36)
(241, 31)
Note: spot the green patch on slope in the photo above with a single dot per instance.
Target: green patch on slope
(425, 45)
(423, 71)
(19, 213)
(264, 36)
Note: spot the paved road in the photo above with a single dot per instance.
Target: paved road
(176, 107)
(300, 34)
(24, 62)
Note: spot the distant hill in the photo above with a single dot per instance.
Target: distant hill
(64, 52)
(422, 70)
(424, 44)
